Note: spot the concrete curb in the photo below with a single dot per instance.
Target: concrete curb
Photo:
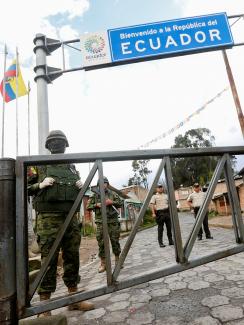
(50, 320)
(218, 225)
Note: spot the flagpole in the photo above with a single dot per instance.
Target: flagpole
(29, 117)
(3, 110)
(17, 95)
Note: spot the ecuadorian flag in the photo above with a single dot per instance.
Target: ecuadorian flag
(14, 85)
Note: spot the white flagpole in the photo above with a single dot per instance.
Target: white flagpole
(29, 117)
(17, 91)
(3, 111)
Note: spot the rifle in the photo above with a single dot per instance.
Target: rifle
(95, 189)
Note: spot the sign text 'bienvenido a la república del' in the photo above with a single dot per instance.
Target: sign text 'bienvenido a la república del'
(167, 38)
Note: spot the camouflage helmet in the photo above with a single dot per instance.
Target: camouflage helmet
(56, 134)
(105, 180)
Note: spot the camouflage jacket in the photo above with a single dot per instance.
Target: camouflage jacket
(111, 210)
(61, 195)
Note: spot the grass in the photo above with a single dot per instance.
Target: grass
(148, 220)
(88, 230)
(212, 214)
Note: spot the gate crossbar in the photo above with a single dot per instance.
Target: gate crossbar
(138, 221)
(180, 258)
(203, 209)
(235, 204)
(105, 224)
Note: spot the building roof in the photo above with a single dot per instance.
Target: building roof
(132, 195)
(241, 172)
(133, 201)
(120, 193)
(218, 195)
(132, 186)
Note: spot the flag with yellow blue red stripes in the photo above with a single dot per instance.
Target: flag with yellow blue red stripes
(14, 83)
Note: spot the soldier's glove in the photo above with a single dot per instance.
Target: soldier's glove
(108, 202)
(48, 181)
(79, 184)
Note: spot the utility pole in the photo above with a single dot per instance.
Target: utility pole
(234, 92)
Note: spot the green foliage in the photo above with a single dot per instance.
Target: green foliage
(148, 220)
(194, 138)
(212, 214)
(141, 173)
(88, 230)
(187, 171)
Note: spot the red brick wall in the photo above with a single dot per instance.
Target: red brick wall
(241, 196)
(221, 208)
(87, 214)
(219, 203)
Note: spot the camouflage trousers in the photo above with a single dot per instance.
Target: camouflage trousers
(114, 232)
(48, 225)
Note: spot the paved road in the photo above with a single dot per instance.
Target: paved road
(210, 294)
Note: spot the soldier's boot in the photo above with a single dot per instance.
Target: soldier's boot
(31, 254)
(102, 266)
(117, 260)
(45, 296)
(82, 305)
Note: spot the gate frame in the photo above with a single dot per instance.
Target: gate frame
(45, 74)
(25, 293)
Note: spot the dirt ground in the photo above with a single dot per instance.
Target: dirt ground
(222, 221)
(88, 250)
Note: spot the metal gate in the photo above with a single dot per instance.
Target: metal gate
(14, 275)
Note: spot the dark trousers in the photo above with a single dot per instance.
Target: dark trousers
(162, 217)
(205, 224)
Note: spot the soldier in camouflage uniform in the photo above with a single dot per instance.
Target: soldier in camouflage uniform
(54, 189)
(113, 202)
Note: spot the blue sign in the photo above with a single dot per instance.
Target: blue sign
(169, 37)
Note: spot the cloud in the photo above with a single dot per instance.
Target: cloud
(67, 33)
(20, 29)
(193, 7)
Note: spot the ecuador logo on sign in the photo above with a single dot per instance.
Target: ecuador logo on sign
(167, 38)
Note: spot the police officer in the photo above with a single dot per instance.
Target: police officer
(195, 200)
(160, 211)
(113, 202)
(54, 189)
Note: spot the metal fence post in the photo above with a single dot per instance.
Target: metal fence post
(8, 310)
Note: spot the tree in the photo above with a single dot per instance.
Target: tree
(187, 171)
(141, 173)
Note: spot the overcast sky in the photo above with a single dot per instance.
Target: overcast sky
(121, 108)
